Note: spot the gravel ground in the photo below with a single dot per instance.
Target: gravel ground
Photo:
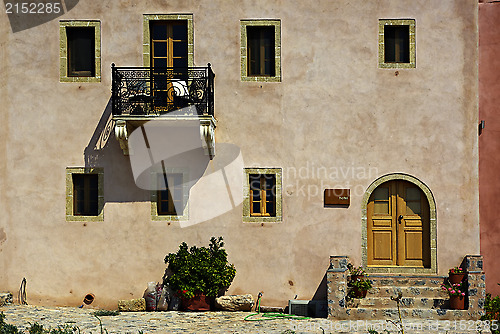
(212, 322)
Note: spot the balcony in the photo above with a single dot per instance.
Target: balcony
(148, 91)
(143, 94)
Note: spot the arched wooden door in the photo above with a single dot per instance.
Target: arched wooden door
(398, 226)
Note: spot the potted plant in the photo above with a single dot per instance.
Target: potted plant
(456, 291)
(359, 287)
(357, 284)
(456, 275)
(198, 274)
(356, 272)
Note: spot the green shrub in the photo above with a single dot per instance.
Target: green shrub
(199, 270)
(6, 328)
(66, 329)
(492, 311)
(36, 328)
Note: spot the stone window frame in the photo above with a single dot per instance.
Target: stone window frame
(146, 40)
(381, 43)
(70, 217)
(185, 194)
(277, 49)
(63, 50)
(432, 230)
(246, 195)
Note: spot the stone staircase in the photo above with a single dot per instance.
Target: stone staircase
(422, 297)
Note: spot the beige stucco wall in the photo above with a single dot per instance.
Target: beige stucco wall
(334, 108)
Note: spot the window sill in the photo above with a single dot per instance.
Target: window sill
(247, 219)
(72, 218)
(80, 79)
(261, 79)
(168, 218)
(396, 65)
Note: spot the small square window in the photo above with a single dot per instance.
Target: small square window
(84, 194)
(261, 50)
(170, 198)
(81, 54)
(262, 195)
(80, 51)
(397, 44)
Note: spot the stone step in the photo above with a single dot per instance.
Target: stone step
(406, 302)
(406, 280)
(413, 291)
(363, 313)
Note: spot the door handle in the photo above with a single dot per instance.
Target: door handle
(400, 218)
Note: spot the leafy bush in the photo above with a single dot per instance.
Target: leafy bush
(199, 270)
(6, 328)
(492, 311)
(35, 328)
(66, 329)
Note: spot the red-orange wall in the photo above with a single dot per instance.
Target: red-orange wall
(489, 141)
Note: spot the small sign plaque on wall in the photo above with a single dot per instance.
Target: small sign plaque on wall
(337, 197)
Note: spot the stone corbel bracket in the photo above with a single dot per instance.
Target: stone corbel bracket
(121, 133)
(123, 129)
(207, 134)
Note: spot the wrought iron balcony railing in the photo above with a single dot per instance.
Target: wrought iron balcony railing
(144, 91)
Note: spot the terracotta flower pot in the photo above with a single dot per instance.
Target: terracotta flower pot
(456, 278)
(359, 293)
(199, 302)
(457, 302)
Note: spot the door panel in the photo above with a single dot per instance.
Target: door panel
(413, 246)
(381, 226)
(398, 226)
(382, 246)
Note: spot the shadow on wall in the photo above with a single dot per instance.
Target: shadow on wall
(321, 292)
(103, 150)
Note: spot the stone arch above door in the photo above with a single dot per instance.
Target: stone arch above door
(432, 230)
